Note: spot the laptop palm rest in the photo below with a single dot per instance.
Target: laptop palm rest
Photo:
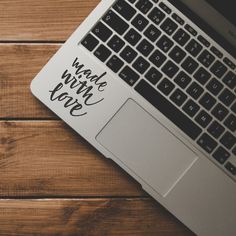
(146, 147)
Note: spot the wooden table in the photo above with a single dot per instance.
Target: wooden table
(52, 182)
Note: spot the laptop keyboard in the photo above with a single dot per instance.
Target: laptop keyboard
(174, 68)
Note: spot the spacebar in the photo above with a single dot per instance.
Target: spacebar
(168, 109)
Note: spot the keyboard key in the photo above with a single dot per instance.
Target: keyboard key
(153, 75)
(114, 63)
(215, 51)
(206, 58)
(203, 119)
(169, 26)
(207, 143)
(166, 86)
(156, 16)
(115, 22)
(152, 33)
(102, 53)
(177, 54)
(234, 151)
(181, 37)
(214, 86)
(144, 6)
(90, 42)
(116, 43)
(170, 69)
(128, 54)
(229, 63)
(193, 47)
(230, 122)
(228, 140)
(233, 108)
(220, 112)
(177, 19)
(178, 97)
(231, 168)
(132, 36)
(132, 1)
(102, 32)
(216, 129)
(141, 65)
(129, 76)
(203, 41)
(145, 47)
(194, 90)
(202, 76)
(139, 22)
(207, 101)
(182, 79)
(190, 65)
(191, 108)
(168, 109)
(124, 9)
(218, 69)
(227, 97)
(165, 8)
(230, 79)
(164, 43)
(157, 58)
(190, 30)
(221, 155)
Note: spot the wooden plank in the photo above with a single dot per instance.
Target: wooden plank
(42, 20)
(19, 63)
(94, 217)
(48, 159)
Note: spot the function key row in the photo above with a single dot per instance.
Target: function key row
(204, 41)
(165, 8)
(168, 26)
(180, 21)
(177, 19)
(190, 29)
(215, 51)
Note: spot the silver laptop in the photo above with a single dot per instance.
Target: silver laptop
(151, 84)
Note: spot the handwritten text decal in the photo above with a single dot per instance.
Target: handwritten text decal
(79, 88)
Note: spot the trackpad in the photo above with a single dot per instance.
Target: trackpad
(146, 147)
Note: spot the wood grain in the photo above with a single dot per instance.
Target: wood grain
(44, 20)
(84, 217)
(47, 158)
(19, 63)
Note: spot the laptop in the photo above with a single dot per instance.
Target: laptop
(151, 84)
